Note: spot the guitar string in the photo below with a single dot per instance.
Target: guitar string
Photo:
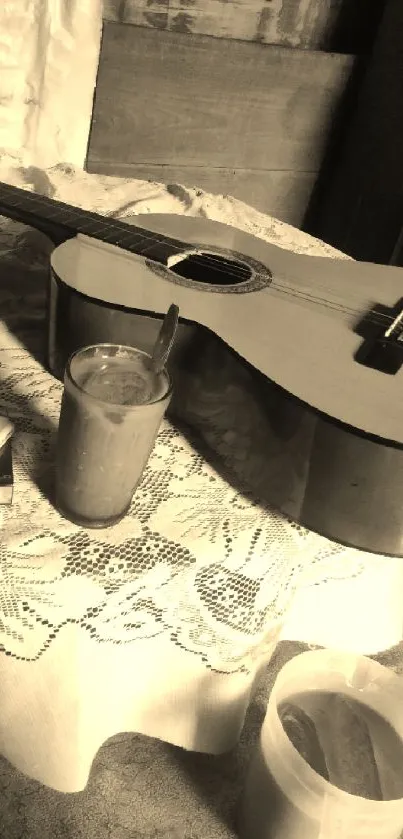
(117, 224)
(378, 318)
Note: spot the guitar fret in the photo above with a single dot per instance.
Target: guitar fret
(147, 246)
(65, 218)
(94, 229)
(123, 234)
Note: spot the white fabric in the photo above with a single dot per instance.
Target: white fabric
(49, 52)
(161, 624)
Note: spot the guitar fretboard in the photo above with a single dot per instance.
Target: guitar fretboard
(62, 221)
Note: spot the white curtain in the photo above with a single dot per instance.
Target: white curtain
(49, 52)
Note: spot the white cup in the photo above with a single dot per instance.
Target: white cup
(284, 798)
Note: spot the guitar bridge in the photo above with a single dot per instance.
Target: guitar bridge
(382, 348)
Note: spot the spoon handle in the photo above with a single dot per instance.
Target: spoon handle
(165, 339)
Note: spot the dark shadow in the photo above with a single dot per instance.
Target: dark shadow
(337, 132)
(354, 33)
(26, 418)
(22, 311)
(32, 339)
(24, 269)
(23, 304)
(355, 27)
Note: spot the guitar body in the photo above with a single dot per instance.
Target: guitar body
(266, 367)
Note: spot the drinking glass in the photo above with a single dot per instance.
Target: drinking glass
(112, 407)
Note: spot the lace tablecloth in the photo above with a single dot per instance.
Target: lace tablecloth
(162, 624)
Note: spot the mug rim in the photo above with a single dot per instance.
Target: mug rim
(115, 405)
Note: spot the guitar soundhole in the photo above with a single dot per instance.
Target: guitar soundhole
(215, 272)
(212, 269)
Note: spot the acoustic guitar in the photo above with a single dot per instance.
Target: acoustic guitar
(289, 367)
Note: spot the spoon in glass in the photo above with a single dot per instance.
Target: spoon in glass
(165, 339)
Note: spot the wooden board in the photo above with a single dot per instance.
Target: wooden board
(347, 26)
(295, 23)
(227, 116)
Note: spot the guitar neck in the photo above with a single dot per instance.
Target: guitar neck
(60, 221)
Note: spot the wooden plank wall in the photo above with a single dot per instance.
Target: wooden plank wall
(271, 150)
(230, 117)
(305, 24)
